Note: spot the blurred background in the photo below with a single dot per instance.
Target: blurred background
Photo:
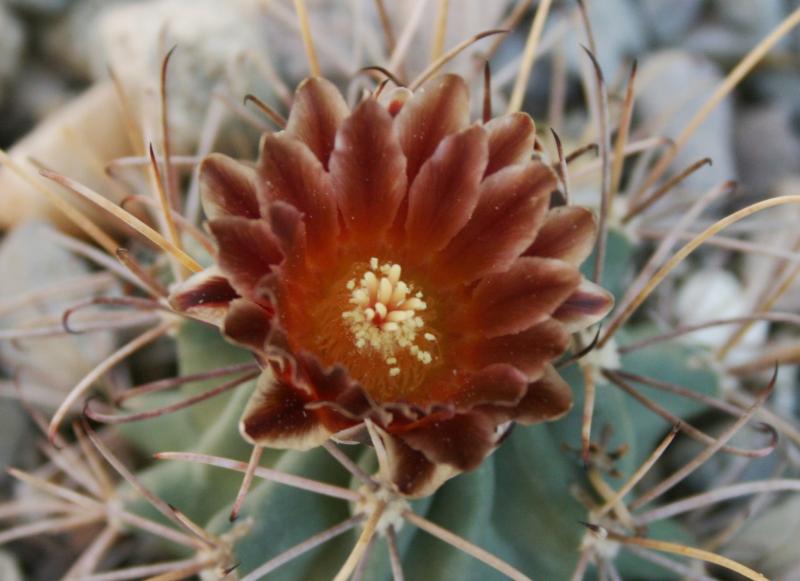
(79, 91)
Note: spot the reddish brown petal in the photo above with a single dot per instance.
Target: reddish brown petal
(548, 398)
(335, 386)
(524, 295)
(437, 109)
(290, 173)
(498, 384)
(568, 234)
(528, 351)
(445, 193)
(228, 188)
(317, 112)
(462, 441)
(585, 307)
(248, 251)
(513, 202)
(276, 416)
(286, 222)
(414, 475)
(205, 296)
(248, 324)
(368, 171)
(511, 139)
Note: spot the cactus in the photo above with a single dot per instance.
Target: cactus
(575, 475)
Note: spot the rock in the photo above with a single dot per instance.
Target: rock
(213, 42)
(41, 92)
(780, 233)
(9, 570)
(465, 18)
(718, 41)
(770, 539)
(710, 294)
(767, 146)
(230, 43)
(32, 261)
(77, 141)
(742, 15)
(673, 86)
(40, 8)
(68, 41)
(780, 85)
(14, 434)
(619, 36)
(733, 27)
(12, 39)
(669, 21)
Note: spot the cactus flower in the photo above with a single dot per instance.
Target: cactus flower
(401, 264)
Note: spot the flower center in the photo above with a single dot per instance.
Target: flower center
(386, 315)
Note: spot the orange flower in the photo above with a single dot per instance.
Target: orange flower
(401, 264)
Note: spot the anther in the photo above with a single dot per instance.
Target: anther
(384, 318)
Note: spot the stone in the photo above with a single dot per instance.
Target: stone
(12, 41)
(68, 41)
(40, 8)
(619, 33)
(9, 569)
(769, 538)
(712, 293)
(78, 140)
(744, 16)
(33, 261)
(669, 21)
(767, 146)
(212, 40)
(673, 85)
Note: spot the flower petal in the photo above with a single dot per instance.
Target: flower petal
(548, 398)
(368, 171)
(498, 384)
(414, 475)
(462, 441)
(529, 351)
(227, 188)
(511, 139)
(335, 387)
(585, 307)
(568, 234)
(248, 250)
(276, 416)
(286, 222)
(513, 203)
(317, 112)
(291, 173)
(248, 324)
(445, 192)
(524, 295)
(204, 296)
(440, 107)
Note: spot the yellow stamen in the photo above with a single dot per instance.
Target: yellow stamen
(382, 318)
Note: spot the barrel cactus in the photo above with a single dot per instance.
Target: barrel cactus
(405, 339)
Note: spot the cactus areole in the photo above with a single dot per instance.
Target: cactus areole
(397, 263)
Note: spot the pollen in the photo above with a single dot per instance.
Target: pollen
(386, 315)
